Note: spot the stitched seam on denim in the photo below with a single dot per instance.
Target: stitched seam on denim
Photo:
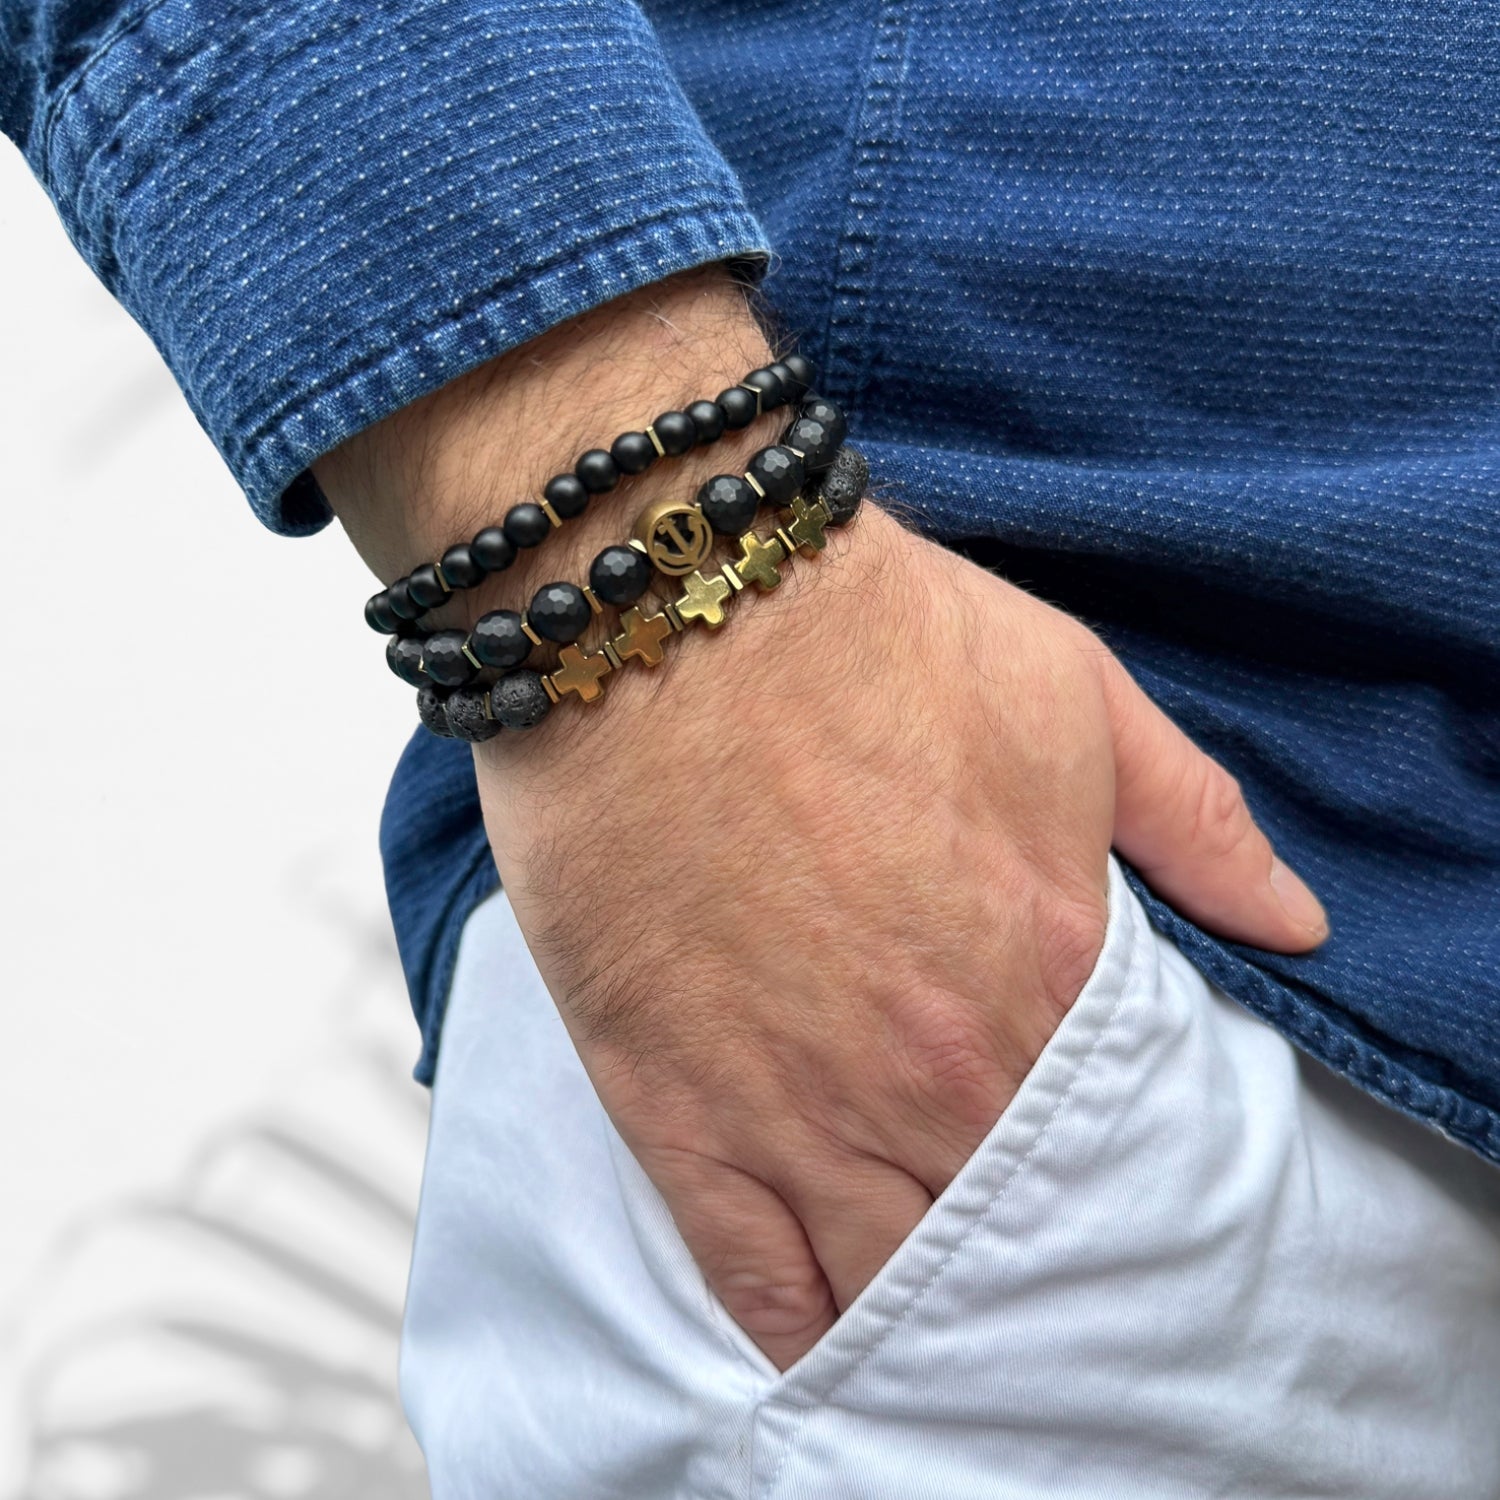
(1127, 983)
(706, 210)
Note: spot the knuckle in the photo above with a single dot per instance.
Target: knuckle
(1220, 820)
(779, 1301)
(945, 1055)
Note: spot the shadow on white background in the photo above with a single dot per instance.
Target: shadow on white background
(197, 736)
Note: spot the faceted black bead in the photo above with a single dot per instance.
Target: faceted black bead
(729, 503)
(676, 431)
(460, 568)
(619, 575)
(844, 485)
(493, 550)
(814, 440)
(444, 661)
(766, 382)
(559, 612)
(566, 495)
(708, 420)
(598, 471)
(633, 452)
(467, 719)
(821, 409)
(404, 657)
(803, 372)
(526, 524)
(779, 473)
(498, 640)
(519, 701)
(398, 597)
(738, 406)
(378, 614)
(426, 591)
(431, 711)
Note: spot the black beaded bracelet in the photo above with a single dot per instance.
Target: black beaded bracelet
(521, 699)
(672, 537)
(566, 496)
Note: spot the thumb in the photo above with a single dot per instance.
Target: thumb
(751, 1248)
(1181, 820)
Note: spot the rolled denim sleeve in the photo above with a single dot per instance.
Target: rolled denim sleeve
(319, 212)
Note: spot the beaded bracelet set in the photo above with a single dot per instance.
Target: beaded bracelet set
(810, 477)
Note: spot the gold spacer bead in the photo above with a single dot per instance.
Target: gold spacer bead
(594, 604)
(754, 391)
(639, 546)
(529, 633)
(754, 484)
(613, 656)
(673, 618)
(442, 578)
(551, 691)
(551, 515)
(735, 581)
(656, 442)
(474, 660)
(784, 537)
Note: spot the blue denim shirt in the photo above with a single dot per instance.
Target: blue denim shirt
(1186, 315)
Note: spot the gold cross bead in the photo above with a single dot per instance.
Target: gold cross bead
(757, 562)
(642, 637)
(577, 673)
(703, 599)
(810, 528)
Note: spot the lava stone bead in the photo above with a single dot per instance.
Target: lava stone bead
(493, 550)
(779, 473)
(566, 495)
(460, 568)
(633, 452)
(498, 640)
(620, 575)
(803, 372)
(403, 655)
(708, 420)
(844, 485)
(738, 406)
(426, 590)
(559, 612)
(444, 661)
(814, 440)
(821, 409)
(519, 701)
(467, 716)
(431, 710)
(378, 614)
(398, 597)
(676, 432)
(526, 524)
(598, 471)
(729, 503)
(766, 382)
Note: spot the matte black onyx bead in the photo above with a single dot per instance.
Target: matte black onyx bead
(821, 409)
(844, 485)
(498, 640)
(444, 661)
(633, 452)
(467, 716)
(815, 440)
(779, 473)
(559, 612)
(766, 382)
(739, 407)
(431, 712)
(707, 419)
(519, 701)
(526, 524)
(460, 568)
(378, 614)
(398, 597)
(403, 656)
(598, 471)
(676, 431)
(619, 575)
(566, 495)
(493, 550)
(426, 590)
(803, 371)
(789, 387)
(729, 503)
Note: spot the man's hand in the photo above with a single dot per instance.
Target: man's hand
(812, 897)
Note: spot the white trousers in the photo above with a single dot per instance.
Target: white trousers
(1187, 1261)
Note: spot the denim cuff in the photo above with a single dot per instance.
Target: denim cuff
(321, 213)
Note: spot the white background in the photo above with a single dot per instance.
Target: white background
(197, 734)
